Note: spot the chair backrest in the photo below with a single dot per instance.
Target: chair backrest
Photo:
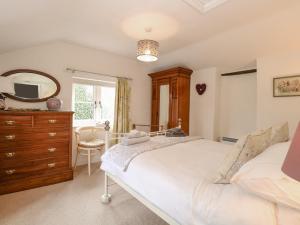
(88, 133)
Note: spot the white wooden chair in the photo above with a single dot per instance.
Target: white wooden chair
(89, 142)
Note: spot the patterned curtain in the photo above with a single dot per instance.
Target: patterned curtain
(122, 109)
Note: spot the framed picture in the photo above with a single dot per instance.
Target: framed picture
(286, 86)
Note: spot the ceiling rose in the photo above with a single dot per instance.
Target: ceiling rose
(153, 26)
(147, 50)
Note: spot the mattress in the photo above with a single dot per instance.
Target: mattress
(179, 180)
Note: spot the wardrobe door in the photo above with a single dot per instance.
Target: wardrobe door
(161, 107)
(183, 87)
(154, 106)
(173, 103)
(164, 105)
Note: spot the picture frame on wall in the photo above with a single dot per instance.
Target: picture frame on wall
(286, 86)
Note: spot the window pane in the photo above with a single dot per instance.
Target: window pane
(84, 111)
(107, 103)
(83, 105)
(84, 93)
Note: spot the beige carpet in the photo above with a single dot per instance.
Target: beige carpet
(75, 202)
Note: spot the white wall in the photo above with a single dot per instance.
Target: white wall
(203, 110)
(237, 115)
(54, 58)
(254, 108)
(272, 110)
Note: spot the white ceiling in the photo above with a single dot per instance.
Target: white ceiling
(234, 49)
(116, 25)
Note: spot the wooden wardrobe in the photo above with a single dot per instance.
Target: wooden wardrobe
(170, 98)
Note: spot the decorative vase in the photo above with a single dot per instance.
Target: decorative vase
(2, 102)
(54, 104)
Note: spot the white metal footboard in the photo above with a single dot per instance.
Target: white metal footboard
(106, 197)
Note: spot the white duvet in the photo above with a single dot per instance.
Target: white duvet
(179, 180)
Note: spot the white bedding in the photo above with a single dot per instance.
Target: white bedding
(179, 180)
(121, 156)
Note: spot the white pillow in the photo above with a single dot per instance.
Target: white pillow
(245, 149)
(263, 176)
(280, 133)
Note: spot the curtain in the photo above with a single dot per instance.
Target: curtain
(122, 108)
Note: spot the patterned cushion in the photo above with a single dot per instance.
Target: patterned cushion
(91, 144)
(244, 150)
(280, 133)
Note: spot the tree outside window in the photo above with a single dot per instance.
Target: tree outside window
(93, 103)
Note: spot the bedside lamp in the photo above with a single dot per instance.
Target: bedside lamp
(5, 87)
(291, 165)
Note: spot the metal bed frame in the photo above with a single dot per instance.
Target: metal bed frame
(106, 197)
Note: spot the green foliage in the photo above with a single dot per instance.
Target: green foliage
(83, 93)
(84, 105)
(84, 111)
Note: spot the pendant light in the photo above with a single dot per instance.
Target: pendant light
(147, 50)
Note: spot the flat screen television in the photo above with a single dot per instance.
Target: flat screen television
(26, 90)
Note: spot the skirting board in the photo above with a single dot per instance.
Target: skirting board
(144, 201)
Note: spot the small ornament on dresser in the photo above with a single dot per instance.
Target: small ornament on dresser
(2, 102)
(54, 104)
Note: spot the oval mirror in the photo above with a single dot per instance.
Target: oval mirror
(31, 85)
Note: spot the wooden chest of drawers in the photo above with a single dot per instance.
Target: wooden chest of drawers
(35, 149)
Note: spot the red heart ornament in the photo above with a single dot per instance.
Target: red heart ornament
(200, 88)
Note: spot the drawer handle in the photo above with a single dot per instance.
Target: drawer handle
(51, 165)
(10, 172)
(52, 121)
(10, 122)
(10, 137)
(51, 149)
(10, 154)
(52, 134)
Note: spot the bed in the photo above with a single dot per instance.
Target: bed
(177, 183)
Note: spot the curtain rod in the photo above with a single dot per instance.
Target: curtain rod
(239, 72)
(106, 75)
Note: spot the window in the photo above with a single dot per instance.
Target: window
(93, 103)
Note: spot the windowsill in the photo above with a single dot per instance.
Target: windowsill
(88, 123)
(84, 123)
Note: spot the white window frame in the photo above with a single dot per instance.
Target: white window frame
(96, 97)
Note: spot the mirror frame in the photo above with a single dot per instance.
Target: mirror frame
(12, 72)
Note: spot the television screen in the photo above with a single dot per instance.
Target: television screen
(26, 90)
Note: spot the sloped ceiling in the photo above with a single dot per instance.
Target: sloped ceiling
(186, 35)
(240, 47)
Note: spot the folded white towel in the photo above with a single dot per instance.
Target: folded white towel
(131, 141)
(135, 134)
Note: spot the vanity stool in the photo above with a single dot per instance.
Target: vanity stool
(89, 143)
